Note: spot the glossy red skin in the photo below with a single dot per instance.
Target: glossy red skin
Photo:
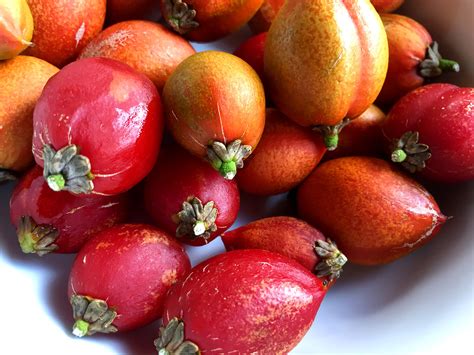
(288, 236)
(178, 175)
(131, 267)
(123, 10)
(264, 17)
(246, 301)
(285, 156)
(362, 136)
(373, 212)
(123, 138)
(77, 218)
(386, 5)
(252, 52)
(444, 117)
(408, 41)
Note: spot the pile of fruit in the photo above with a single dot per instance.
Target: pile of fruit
(127, 143)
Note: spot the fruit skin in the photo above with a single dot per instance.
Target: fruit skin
(216, 19)
(122, 142)
(442, 115)
(373, 212)
(123, 10)
(246, 301)
(76, 218)
(362, 136)
(286, 155)
(325, 60)
(386, 5)
(131, 266)
(214, 96)
(252, 52)
(179, 175)
(146, 46)
(64, 27)
(23, 79)
(16, 27)
(265, 15)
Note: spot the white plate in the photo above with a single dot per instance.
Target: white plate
(422, 303)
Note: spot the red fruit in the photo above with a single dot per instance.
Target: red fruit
(252, 52)
(243, 302)
(296, 240)
(373, 212)
(122, 10)
(119, 279)
(386, 5)
(64, 27)
(108, 113)
(286, 155)
(204, 20)
(147, 47)
(413, 57)
(60, 222)
(264, 17)
(362, 136)
(431, 130)
(215, 107)
(186, 197)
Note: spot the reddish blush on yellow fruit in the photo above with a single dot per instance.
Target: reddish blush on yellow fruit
(148, 47)
(16, 27)
(64, 27)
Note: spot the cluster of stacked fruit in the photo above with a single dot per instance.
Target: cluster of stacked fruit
(259, 121)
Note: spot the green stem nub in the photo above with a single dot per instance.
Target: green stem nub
(332, 260)
(180, 16)
(67, 170)
(227, 159)
(34, 238)
(196, 220)
(331, 133)
(80, 328)
(410, 153)
(171, 340)
(434, 64)
(91, 316)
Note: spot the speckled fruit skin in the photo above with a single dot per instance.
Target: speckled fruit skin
(178, 175)
(363, 136)
(386, 5)
(23, 79)
(214, 96)
(286, 155)
(123, 10)
(246, 301)
(123, 138)
(146, 46)
(217, 18)
(77, 218)
(265, 15)
(373, 212)
(288, 236)
(252, 52)
(325, 60)
(16, 27)
(132, 267)
(444, 117)
(64, 27)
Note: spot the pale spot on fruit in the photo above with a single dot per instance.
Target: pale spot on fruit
(80, 33)
(169, 277)
(119, 87)
(103, 245)
(152, 237)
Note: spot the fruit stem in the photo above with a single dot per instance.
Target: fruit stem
(91, 316)
(409, 152)
(199, 228)
(332, 260)
(434, 65)
(196, 219)
(331, 141)
(80, 328)
(331, 133)
(171, 340)
(226, 159)
(449, 65)
(34, 238)
(56, 182)
(399, 156)
(180, 16)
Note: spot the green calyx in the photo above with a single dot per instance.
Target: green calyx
(227, 159)
(196, 220)
(34, 238)
(80, 328)
(56, 182)
(91, 316)
(398, 156)
(171, 340)
(332, 260)
(408, 152)
(331, 133)
(434, 64)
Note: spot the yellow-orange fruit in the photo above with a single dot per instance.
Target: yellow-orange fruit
(16, 27)
(22, 79)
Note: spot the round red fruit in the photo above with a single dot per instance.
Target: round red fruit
(252, 51)
(119, 279)
(97, 127)
(263, 19)
(188, 198)
(386, 5)
(243, 301)
(123, 10)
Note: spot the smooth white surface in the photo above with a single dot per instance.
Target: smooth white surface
(422, 303)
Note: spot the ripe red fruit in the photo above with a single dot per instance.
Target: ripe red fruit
(286, 155)
(119, 279)
(215, 107)
(386, 5)
(431, 130)
(264, 17)
(204, 20)
(373, 212)
(296, 239)
(244, 301)
(252, 52)
(123, 10)
(97, 127)
(60, 222)
(413, 57)
(146, 46)
(186, 197)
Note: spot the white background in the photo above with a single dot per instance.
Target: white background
(422, 303)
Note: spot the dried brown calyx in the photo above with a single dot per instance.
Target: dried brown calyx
(196, 220)
(434, 64)
(6, 175)
(227, 159)
(180, 16)
(332, 260)
(36, 238)
(410, 153)
(331, 133)
(171, 340)
(91, 316)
